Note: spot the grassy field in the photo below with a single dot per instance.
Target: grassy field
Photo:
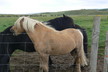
(84, 21)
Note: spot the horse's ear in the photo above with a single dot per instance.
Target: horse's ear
(36, 25)
(21, 21)
(64, 15)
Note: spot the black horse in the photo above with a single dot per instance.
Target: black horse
(10, 43)
(67, 22)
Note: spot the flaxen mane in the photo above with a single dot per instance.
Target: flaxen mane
(29, 24)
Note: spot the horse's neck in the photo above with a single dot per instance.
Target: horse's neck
(39, 33)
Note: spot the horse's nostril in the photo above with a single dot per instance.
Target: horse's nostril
(11, 30)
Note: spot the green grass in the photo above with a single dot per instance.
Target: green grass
(6, 22)
(84, 21)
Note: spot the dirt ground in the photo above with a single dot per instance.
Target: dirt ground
(29, 62)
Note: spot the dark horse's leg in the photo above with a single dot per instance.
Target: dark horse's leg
(50, 61)
(4, 64)
(4, 59)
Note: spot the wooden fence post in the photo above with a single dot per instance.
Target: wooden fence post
(94, 46)
(105, 69)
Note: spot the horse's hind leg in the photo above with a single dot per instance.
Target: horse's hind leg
(73, 53)
(76, 66)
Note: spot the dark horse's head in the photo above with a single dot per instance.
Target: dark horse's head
(14, 42)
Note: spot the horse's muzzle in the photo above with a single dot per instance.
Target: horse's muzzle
(11, 30)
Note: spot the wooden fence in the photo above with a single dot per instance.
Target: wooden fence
(106, 55)
(94, 47)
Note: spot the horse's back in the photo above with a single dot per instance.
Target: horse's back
(72, 31)
(74, 34)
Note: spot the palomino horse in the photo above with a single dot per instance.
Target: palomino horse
(10, 43)
(48, 41)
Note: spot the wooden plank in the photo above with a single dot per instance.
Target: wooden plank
(94, 46)
(105, 69)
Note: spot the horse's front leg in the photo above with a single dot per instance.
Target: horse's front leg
(44, 62)
(4, 63)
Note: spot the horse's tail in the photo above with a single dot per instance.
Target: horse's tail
(83, 59)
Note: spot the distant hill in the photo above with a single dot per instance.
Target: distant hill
(103, 9)
(80, 12)
(70, 12)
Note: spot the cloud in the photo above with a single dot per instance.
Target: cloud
(36, 6)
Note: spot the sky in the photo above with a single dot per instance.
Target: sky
(38, 6)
